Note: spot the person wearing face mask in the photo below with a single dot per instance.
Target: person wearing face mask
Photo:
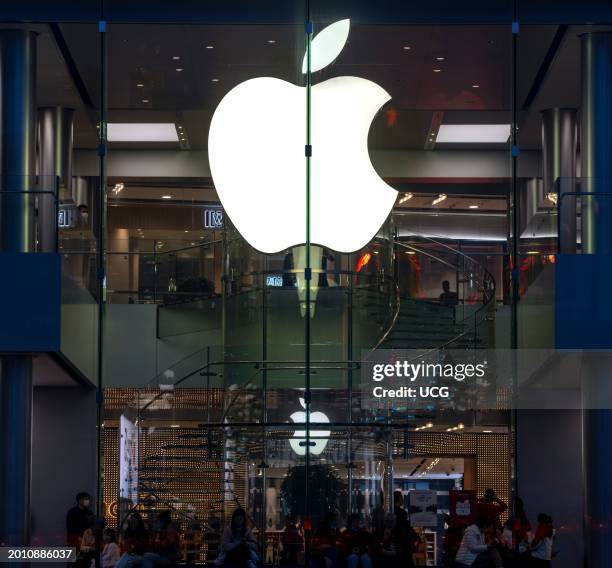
(78, 520)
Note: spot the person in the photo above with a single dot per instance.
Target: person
(110, 551)
(398, 503)
(521, 529)
(292, 542)
(87, 549)
(448, 298)
(491, 508)
(405, 540)
(356, 544)
(166, 543)
(78, 520)
(473, 550)
(238, 546)
(542, 543)
(452, 540)
(324, 550)
(134, 542)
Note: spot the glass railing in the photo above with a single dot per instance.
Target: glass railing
(29, 207)
(447, 299)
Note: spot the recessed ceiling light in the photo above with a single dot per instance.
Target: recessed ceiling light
(439, 58)
(210, 47)
(186, 231)
(473, 133)
(407, 48)
(271, 41)
(473, 207)
(145, 100)
(179, 69)
(166, 197)
(439, 199)
(437, 70)
(142, 131)
(215, 80)
(140, 84)
(176, 57)
(475, 86)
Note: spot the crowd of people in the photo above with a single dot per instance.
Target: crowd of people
(391, 542)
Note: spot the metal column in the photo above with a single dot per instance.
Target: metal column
(559, 140)
(17, 166)
(55, 139)
(596, 158)
(595, 142)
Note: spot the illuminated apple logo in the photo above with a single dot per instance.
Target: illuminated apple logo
(318, 438)
(256, 148)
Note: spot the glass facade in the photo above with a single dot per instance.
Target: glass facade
(250, 203)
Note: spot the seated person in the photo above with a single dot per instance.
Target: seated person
(238, 546)
(356, 544)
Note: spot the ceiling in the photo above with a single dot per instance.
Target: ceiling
(140, 54)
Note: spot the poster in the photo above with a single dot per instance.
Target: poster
(462, 506)
(128, 461)
(423, 505)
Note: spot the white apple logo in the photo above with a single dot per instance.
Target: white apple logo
(318, 438)
(256, 149)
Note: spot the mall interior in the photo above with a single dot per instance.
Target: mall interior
(208, 221)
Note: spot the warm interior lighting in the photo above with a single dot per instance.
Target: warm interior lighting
(406, 197)
(142, 131)
(439, 199)
(473, 133)
(552, 197)
(473, 207)
(533, 252)
(166, 197)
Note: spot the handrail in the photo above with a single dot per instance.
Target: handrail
(488, 291)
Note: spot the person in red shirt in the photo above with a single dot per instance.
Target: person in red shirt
(491, 508)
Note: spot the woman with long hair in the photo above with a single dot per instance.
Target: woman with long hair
(238, 546)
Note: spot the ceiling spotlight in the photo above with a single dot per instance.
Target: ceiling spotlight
(179, 69)
(437, 70)
(118, 188)
(475, 86)
(406, 197)
(140, 84)
(166, 197)
(439, 199)
(215, 80)
(210, 47)
(473, 207)
(407, 48)
(439, 58)
(271, 41)
(176, 57)
(186, 231)
(145, 100)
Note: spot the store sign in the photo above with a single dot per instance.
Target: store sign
(256, 148)
(65, 218)
(462, 506)
(423, 505)
(274, 281)
(213, 218)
